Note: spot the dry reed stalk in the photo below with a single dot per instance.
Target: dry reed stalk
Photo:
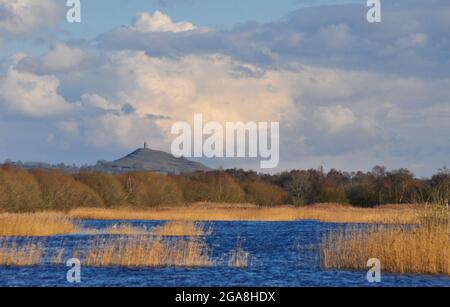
(325, 213)
(145, 251)
(58, 256)
(400, 248)
(36, 224)
(238, 257)
(13, 253)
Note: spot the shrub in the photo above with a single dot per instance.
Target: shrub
(107, 186)
(62, 192)
(145, 189)
(19, 191)
(264, 194)
(333, 195)
(362, 195)
(299, 187)
(212, 187)
(440, 187)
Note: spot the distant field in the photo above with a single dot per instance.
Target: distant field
(229, 212)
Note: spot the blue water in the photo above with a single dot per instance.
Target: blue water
(283, 254)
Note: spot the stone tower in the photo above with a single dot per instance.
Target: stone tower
(145, 145)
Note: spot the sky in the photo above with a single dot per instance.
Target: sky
(348, 94)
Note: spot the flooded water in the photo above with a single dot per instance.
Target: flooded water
(283, 254)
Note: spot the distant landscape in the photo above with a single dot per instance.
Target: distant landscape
(409, 214)
(147, 178)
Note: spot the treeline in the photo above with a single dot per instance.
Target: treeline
(39, 189)
(22, 191)
(365, 189)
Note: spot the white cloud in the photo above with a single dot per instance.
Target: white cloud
(60, 59)
(334, 119)
(26, 17)
(159, 22)
(142, 90)
(31, 95)
(63, 58)
(175, 89)
(123, 131)
(178, 88)
(97, 101)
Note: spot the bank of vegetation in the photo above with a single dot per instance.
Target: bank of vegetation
(49, 190)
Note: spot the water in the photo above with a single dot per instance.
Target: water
(283, 255)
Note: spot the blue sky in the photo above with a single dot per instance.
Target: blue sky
(348, 94)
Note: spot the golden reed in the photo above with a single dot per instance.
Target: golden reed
(423, 247)
(36, 224)
(238, 257)
(146, 251)
(139, 247)
(226, 212)
(400, 248)
(13, 253)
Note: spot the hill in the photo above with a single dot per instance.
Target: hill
(145, 159)
(142, 159)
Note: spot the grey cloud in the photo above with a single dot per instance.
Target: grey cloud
(61, 58)
(411, 39)
(29, 19)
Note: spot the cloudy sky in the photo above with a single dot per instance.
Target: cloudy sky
(348, 94)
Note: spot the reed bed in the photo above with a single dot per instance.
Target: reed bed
(181, 228)
(36, 224)
(13, 253)
(145, 251)
(420, 248)
(211, 212)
